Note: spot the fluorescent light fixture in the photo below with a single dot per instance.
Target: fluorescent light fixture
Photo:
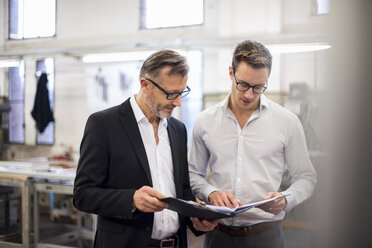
(116, 57)
(9, 63)
(298, 48)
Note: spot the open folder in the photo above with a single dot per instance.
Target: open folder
(210, 212)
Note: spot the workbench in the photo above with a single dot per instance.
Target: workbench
(33, 178)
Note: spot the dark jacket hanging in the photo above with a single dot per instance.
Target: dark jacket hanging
(41, 111)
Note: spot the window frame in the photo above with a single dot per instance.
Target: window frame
(30, 38)
(10, 103)
(315, 9)
(142, 19)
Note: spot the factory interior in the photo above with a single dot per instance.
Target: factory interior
(91, 52)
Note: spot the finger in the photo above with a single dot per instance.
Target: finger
(264, 206)
(196, 223)
(210, 224)
(276, 211)
(145, 207)
(211, 196)
(153, 192)
(152, 201)
(193, 219)
(232, 199)
(200, 225)
(268, 195)
(216, 200)
(159, 195)
(226, 201)
(152, 207)
(220, 202)
(149, 209)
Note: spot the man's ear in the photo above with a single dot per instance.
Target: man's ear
(231, 73)
(144, 83)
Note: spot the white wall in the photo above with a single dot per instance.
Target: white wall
(87, 18)
(113, 25)
(242, 17)
(298, 17)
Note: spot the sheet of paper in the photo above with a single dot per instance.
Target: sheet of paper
(227, 210)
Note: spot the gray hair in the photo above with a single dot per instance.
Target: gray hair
(160, 59)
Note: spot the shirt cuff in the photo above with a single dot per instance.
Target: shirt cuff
(207, 192)
(290, 200)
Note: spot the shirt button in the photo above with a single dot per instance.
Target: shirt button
(147, 228)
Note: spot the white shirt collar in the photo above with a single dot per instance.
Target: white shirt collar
(139, 115)
(263, 102)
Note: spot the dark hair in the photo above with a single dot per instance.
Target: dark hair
(158, 60)
(253, 53)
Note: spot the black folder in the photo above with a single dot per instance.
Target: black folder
(209, 212)
(193, 209)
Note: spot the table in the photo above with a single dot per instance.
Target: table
(23, 183)
(33, 178)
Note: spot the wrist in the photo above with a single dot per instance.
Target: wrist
(285, 201)
(210, 196)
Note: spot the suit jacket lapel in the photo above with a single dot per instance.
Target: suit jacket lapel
(130, 125)
(174, 149)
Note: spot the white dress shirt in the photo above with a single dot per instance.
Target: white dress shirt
(250, 161)
(159, 156)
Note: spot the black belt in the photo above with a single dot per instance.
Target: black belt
(167, 242)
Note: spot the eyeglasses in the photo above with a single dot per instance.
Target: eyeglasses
(258, 89)
(172, 95)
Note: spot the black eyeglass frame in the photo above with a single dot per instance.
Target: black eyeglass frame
(175, 94)
(250, 86)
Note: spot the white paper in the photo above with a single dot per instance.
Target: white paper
(227, 210)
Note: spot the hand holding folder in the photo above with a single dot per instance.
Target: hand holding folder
(210, 212)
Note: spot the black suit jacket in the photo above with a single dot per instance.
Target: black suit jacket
(113, 164)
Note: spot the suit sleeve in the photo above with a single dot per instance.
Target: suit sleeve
(89, 194)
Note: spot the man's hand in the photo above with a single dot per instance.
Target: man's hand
(276, 206)
(223, 198)
(146, 199)
(203, 225)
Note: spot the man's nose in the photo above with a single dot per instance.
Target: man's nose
(249, 94)
(177, 101)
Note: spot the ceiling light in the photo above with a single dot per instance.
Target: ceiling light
(116, 57)
(298, 48)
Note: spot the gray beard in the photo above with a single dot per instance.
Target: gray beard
(155, 108)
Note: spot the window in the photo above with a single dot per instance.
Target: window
(171, 13)
(321, 7)
(46, 66)
(16, 99)
(32, 18)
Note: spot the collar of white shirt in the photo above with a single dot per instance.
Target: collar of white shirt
(140, 116)
(263, 103)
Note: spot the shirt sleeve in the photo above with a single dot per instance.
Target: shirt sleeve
(303, 175)
(198, 163)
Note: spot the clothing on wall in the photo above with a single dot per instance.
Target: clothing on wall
(41, 111)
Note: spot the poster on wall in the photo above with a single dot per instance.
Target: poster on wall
(108, 85)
